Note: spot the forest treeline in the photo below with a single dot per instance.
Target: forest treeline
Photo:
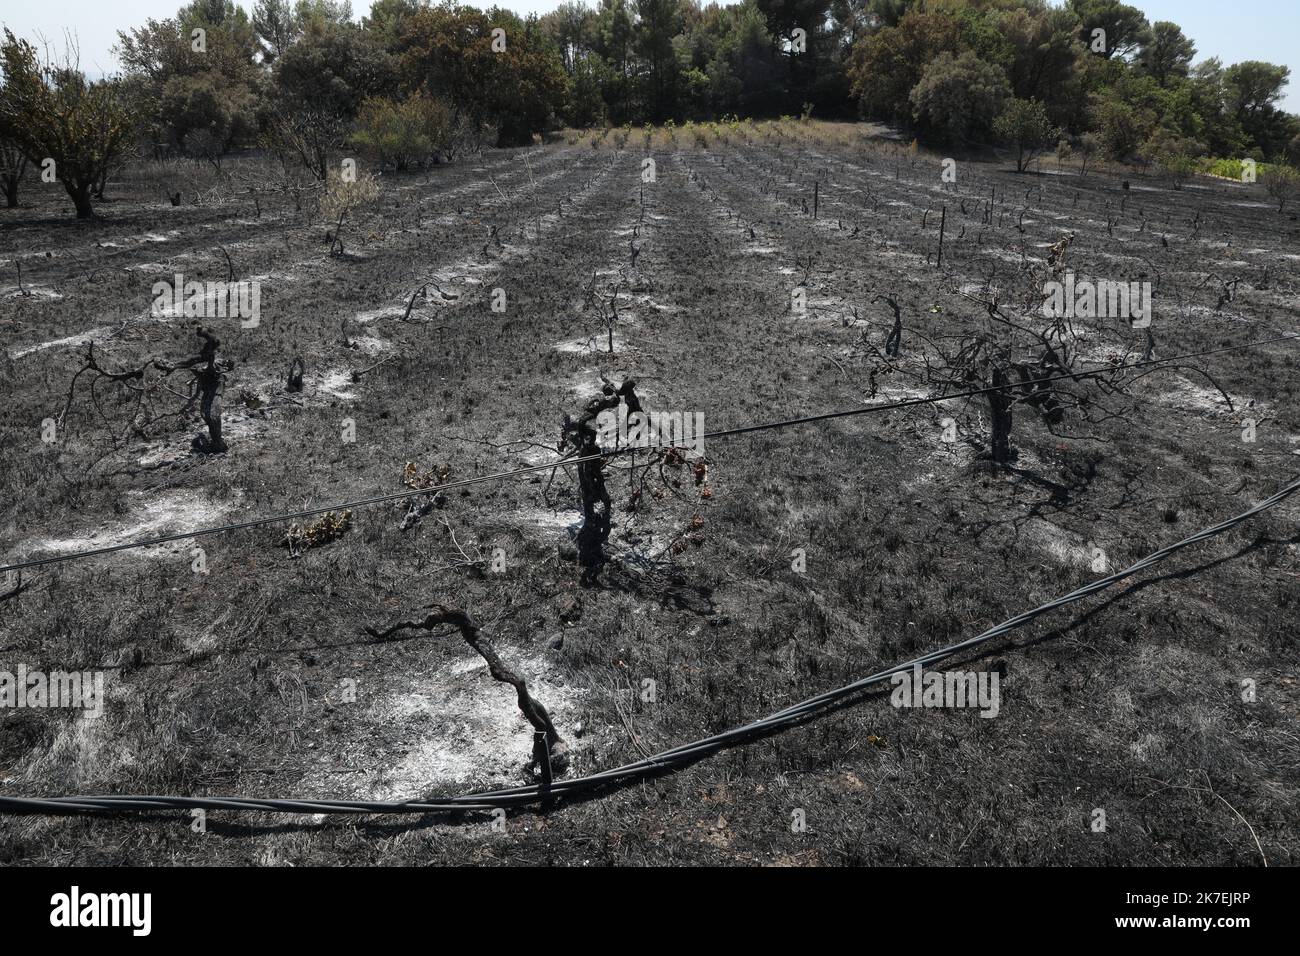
(414, 82)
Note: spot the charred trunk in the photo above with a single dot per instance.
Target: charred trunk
(1000, 402)
(80, 193)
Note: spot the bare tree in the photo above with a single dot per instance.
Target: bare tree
(1282, 183)
(209, 374)
(142, 387)
(580, 436)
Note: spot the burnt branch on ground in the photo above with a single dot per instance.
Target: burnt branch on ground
(555, 749)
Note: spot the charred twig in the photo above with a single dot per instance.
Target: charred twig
(534, 712)
(16, 590)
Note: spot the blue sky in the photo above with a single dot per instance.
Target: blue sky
(1259, 30)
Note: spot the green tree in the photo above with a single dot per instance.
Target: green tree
(1253, 89)
(185, 84)
(336, 12)
(520, 89)
(613, 37)
(958, 98)
(205, 116)
(1167, 53)
(405, 132)
(1126, 27)
(658, 21)
(276, 26)
(1044, 46)
(1173, 153)
(51, 112)
(584, 106)
(570, 27)
(888, 13)
(320, 83)
(1025, 125)
(886, 64)
(1121, 127)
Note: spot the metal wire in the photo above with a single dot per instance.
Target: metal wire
(571, 460)
(673, 758)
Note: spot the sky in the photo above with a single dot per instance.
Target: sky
(1258, 30)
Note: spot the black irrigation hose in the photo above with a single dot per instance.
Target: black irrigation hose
(667, 760)
(570, 460)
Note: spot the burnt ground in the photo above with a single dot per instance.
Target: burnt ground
(232, 682)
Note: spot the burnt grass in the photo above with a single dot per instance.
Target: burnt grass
(229, 682)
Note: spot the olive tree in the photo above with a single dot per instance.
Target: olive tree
(53, 113)
(1024, 124)
(958, 98)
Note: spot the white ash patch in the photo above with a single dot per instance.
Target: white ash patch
(1006, 255)
(372, 345)
(1103, 355)
(595, 343)
(887, 392)
(1192, 396)
(470, 730)
(550, 520)
(387, 312)
(1064, 546)
(206, 640)
(162, 513)
(585, 383)
(649, 301)
(95, 335)
(238, 425)
(337, 383)
(31, 292)
(80, 753)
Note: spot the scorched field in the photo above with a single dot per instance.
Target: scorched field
(445, 334)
